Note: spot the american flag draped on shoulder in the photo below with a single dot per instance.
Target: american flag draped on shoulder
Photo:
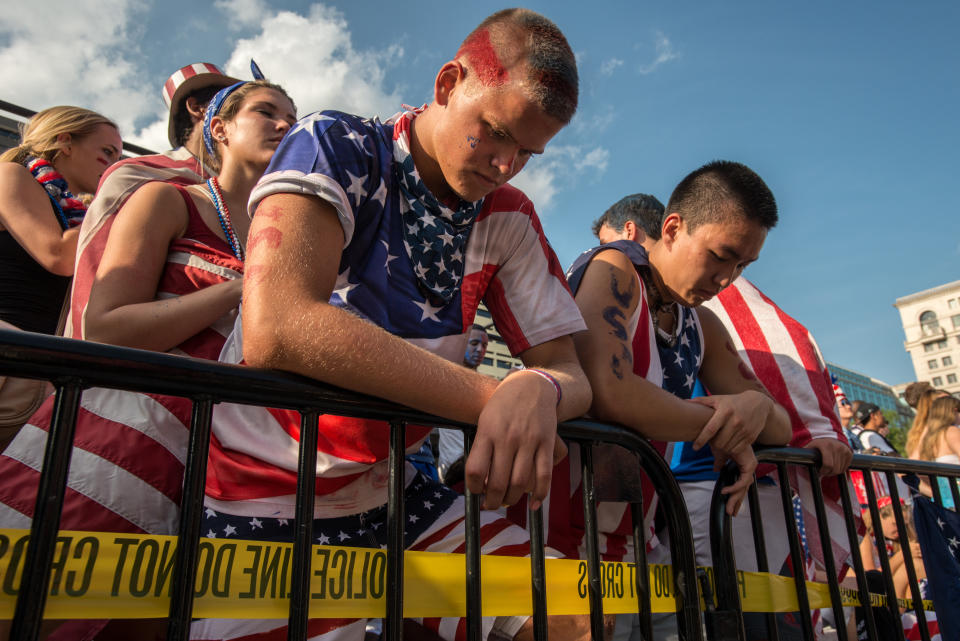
(117, 184)
(938, 532)
(786, 359)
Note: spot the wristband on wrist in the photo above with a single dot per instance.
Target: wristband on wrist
(549, 377)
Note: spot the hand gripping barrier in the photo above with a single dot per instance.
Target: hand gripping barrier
(726, 623)
(76, 365)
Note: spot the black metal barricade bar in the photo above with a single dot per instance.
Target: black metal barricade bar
(722, 546)
(76, 365)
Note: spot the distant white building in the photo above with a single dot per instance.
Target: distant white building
(931, 324)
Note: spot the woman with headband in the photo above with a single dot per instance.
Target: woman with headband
(169, 280)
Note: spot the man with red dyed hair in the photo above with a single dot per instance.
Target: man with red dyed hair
(371, 247)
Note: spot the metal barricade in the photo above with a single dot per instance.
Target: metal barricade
(727, 623)
(73, 366)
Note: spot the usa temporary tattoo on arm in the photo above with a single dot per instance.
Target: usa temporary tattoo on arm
(270, 237)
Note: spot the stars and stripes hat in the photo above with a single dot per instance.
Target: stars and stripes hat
(185, 81)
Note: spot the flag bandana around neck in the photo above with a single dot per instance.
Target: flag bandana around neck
(434, 235)
(69, 209)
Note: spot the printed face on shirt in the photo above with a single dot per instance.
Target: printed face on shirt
(483, 135)
(258, 127)
(696, 265)
(85, 159)
(476, 348)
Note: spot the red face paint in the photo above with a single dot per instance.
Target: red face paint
(483, 59)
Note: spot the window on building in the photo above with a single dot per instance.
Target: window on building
(952, 303)
(487, 360)
(951, 379)
(932, 363)
(956, 321)
(504, 364)
(947, 361)
(929, 324)
(483, 313)
(937, 381)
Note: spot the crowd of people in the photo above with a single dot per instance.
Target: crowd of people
(361, 250)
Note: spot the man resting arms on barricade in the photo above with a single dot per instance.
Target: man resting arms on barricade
(370, 249)
(647, 342)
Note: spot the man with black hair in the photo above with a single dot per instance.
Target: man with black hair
(647, 342)
(872, 428)
(636, 217)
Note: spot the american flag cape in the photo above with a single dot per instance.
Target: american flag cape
(673, 369)
(786, 359)
(129, 449)
(938, 532)
(118, 183)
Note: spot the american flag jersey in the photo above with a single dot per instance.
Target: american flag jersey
(674, 370)
(433, 523)
(349, 162)
(786, 359)
(126, 467)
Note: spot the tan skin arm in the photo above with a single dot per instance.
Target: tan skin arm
(27, 213)
(123, 308)
(738, 398)
(607, 297)
(294, 250)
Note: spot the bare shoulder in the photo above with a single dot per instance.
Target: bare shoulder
(155, 198)
(713, 328)
(14, 178)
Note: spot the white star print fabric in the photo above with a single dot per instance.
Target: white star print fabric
(349, 162)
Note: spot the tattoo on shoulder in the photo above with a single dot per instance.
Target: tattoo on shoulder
(731, 348)
(270, 237)
(622, 297)
(613, 315)
(273, 213)
(745, 372)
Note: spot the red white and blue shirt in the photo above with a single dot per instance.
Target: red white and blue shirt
(349, 162)
(674, 369)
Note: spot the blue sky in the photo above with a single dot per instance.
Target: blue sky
(847, 110)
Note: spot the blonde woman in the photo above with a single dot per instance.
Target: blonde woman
(941, 440)
(917, 429)
(61, 156)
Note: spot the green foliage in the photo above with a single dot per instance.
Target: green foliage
(898, 431)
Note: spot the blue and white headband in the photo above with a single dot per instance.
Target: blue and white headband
(216, 104)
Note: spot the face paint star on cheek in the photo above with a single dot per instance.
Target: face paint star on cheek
(472, 141)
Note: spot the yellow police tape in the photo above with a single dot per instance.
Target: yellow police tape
(129, 576)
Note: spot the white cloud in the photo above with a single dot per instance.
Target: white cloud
(313, 58)
(609, 66)
(559, 168)
(595, 123)
(48, 62)
(665, 54)
(49, 58)
(243, 14)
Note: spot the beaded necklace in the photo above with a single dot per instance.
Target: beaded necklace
(223, 214)
(664, 338)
